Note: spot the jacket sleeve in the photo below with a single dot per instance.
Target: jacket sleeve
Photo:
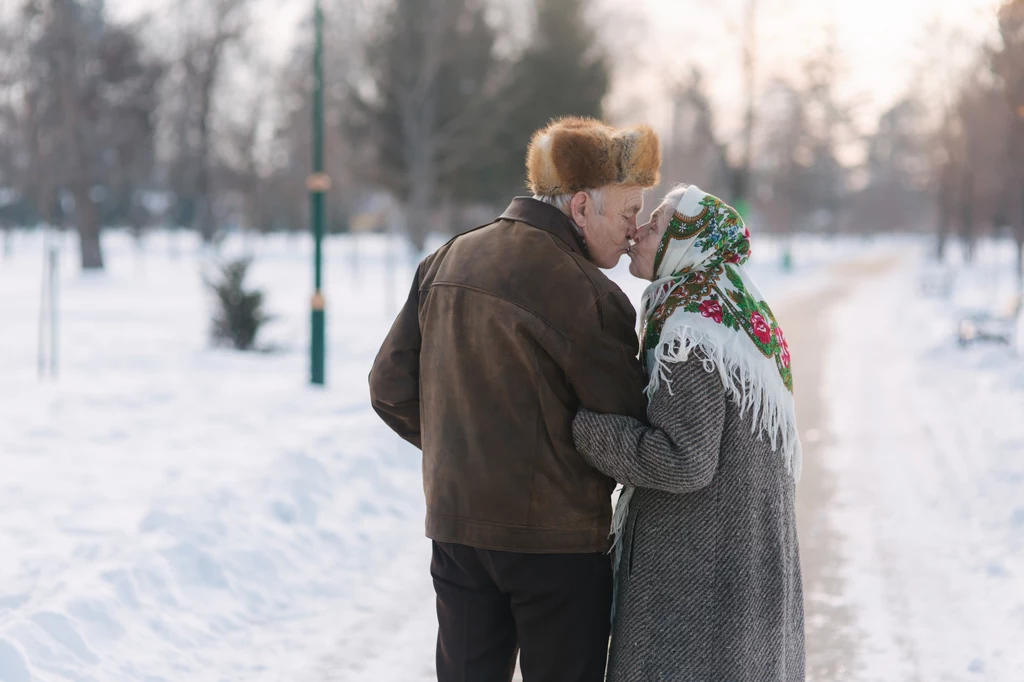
(395, 375)
(603, 367)
(678, 452)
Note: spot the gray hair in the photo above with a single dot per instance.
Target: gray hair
(562, 201)
(672, 199)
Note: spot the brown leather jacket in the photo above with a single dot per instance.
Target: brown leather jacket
(508, 329)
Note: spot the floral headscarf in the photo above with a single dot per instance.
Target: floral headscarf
(703, 297)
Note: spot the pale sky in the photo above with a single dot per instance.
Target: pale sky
(882, 43)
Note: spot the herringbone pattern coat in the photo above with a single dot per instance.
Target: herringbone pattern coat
(709, 586)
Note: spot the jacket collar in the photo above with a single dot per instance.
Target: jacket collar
(545, 217)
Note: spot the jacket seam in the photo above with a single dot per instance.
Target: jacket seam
(479, 290)
(595, 290)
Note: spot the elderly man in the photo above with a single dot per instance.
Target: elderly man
(508, 329)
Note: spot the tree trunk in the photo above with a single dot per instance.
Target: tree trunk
(942, 236)
(204, 218)
(205, 223)
(418, 213)
(1020, 259)
(1019, 234)
(945, 215)
(967, 235)
(88, 225)
(742, 177)
(1020, 245)
(421, 159)
(87, 218)
(203, 195)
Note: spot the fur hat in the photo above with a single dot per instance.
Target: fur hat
(573, 154)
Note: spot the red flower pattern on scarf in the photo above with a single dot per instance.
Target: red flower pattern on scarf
(783, 346)
(712, 309)
(761, 329)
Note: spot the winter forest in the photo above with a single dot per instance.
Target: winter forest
(178, 119)
(178, 502)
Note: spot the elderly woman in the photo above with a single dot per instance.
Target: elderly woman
(708, 569)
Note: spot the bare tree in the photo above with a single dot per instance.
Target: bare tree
(429, 102)
(784, 159)
(948, 60)
(692, 150)
(746, 25)
(897, 173)
(89, 100)
(282, 201)
(975, 173)
(831, 124)
(241, 167)
(11, 137)
(1008, 64)
(209, 30)
(947, 157)
(749, 50)
(804, 184)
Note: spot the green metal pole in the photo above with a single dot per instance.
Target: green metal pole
(318, 184)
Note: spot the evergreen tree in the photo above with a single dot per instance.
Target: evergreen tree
(431, 110)
(449, 119)
(563, 72)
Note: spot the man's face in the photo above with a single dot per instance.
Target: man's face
(608, 233)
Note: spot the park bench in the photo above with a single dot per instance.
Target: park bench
(991, 326)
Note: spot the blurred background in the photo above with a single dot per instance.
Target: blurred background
(209, 217)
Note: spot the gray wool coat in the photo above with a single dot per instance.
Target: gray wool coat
(708, 586)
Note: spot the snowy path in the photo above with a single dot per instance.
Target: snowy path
(830, 643)
(923, 469)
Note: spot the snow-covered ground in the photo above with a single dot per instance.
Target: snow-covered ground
(171, 512)
(927, 451)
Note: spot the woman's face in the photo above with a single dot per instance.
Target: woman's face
(645, 245)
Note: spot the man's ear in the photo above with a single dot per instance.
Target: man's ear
(580, 208)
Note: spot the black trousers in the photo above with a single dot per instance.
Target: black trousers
(553, 608)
